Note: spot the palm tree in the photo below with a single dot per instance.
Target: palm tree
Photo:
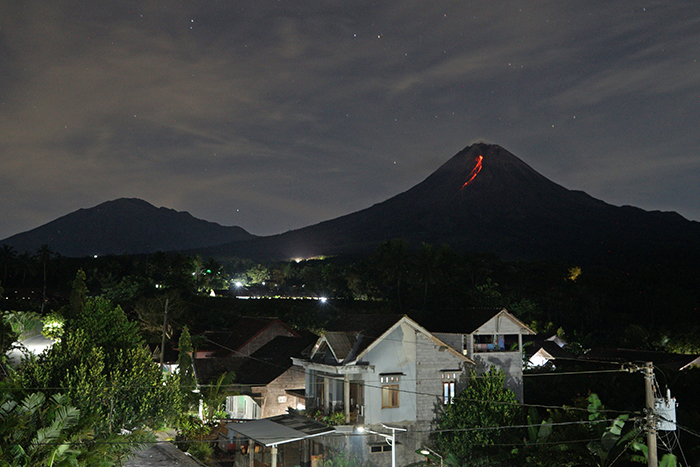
(44, 255)
(26, 265)
(7, 255)
(217, 391)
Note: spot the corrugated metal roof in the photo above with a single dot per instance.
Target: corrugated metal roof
(281, 429)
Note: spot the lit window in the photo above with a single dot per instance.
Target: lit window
(449, 380)
(390, 390)
(448, 392)
(390, 396)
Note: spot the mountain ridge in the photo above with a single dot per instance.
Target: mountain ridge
(482, 200)
(124, 226)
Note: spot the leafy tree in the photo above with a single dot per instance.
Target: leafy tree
(8, 336)
(53, 326)
(471, 426)
(214, 275)
(150, 311)
(558, 440)
(103, 365)
(78, 296)
(609, 441)
(257, 274)
(427, 263)
(27, 265)
(23, 321)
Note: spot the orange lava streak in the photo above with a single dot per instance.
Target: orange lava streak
(474, 171)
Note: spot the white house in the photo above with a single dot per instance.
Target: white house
(490, 337)
(383, 370)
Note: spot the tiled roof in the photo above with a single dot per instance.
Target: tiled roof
(341, 343)
(262, 367)
(368, 328)
(226, 342)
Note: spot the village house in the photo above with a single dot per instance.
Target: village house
(381, 371)
(491, 337)
(266, 381)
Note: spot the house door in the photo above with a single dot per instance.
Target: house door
(357, 402)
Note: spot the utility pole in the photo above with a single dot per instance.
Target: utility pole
(162, 342)
(651, 418)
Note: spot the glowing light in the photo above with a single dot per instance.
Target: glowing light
(475, 171)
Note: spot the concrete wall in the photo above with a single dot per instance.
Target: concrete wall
(431, 361)
(394, 354)
(512, 365)
(272, 405)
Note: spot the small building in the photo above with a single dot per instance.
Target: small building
(545, 353)
(382, 370)
(490, 337)
(266, 381)
(288, 440)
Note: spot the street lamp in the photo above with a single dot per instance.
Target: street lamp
(391, 439)
(426, 451)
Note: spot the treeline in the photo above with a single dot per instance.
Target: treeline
(652, 306)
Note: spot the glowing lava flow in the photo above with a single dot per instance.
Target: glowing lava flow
(474, 171)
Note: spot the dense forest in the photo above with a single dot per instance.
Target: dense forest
(632, 305)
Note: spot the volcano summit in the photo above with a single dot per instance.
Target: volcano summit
(486, 200)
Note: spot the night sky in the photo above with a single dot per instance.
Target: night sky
(274, 115)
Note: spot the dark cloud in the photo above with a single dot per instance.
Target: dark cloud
(275, 115)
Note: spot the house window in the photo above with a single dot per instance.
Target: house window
(449, 380)
(380, 448)
(390, 391)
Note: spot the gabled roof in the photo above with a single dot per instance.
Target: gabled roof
(352, 334)
(340, 343)
(260, 368)
(245, 329)
(548, 349)
(367, 331)
(469, 320)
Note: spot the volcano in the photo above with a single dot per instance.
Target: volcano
(124, 226)
(486, 200)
